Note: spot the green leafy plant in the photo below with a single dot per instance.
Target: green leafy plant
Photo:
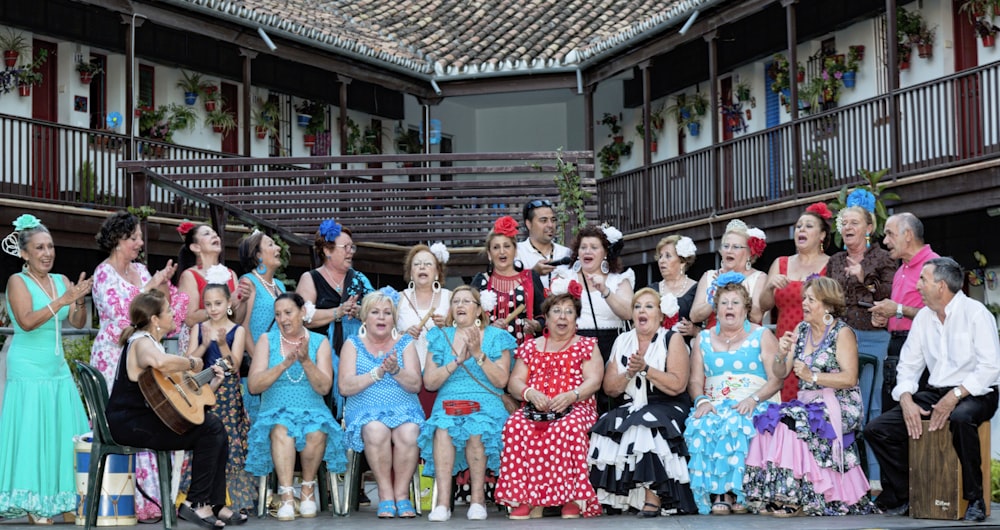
(610, 155)
(28, 75)
(88, 182)
(572, 196)
(816, 172)
(972, 8)
(994, 480)
(221, 120)
(265, 117)
(854, 56)
(92, 67)
(872, 185)
(191, 82)
(142, 212)
(13, 42)
(316, 110)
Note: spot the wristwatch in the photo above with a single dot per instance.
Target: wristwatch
(481, 360)
(643, 371)
(958, 392)
(899, 311)
(755, 398)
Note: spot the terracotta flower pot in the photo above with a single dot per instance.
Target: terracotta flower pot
(653, 146)
(989, 41)
(619, 139)
(904, 64)
(217, 128)
(800, 76)
(924, 51)
(210, 105)
(261, 132)
(309, 140)
(86, 77)
(24, 90)
(10, 58)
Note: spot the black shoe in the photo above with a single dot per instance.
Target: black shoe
(976, 512)
(363, 499)
(902, 509)
(653, 511)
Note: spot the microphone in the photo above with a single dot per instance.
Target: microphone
(562, 261)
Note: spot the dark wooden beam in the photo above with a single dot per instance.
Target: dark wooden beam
(499, 85)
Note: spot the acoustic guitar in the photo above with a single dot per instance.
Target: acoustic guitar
(179, 399)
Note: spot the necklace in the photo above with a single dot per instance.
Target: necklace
(672, 286)
(58, 351)
(271, 286)
(552, 250)
(293, 345)
(379, 347)
(414, 300)
(822, 340)
(328, 274)
(545, 345)
(52, 284)
(729, 340)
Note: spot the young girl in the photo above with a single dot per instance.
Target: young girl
(212, 340)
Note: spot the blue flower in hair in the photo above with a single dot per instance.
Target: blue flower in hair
(728, 278)
(329, 229)
(862, 198)
(26, 221)
(390, 293)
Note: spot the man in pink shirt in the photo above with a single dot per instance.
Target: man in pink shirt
(904, 237)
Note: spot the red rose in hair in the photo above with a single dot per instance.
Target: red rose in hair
(506, 226)
(185, 227)
(820, 209)
(757, 246)
(575, 289)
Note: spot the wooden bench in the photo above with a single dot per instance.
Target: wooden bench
(936, 476)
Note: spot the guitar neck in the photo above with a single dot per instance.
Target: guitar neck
(204, 377)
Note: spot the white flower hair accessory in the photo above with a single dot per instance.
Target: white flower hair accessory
(559, 285)
(685, 247)
(440, 252)
(613, 234)
(487, 300)
(758, 233)
(668, 305)
(218, 273)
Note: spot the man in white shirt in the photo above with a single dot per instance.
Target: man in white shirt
(540, 250)
(955, 338)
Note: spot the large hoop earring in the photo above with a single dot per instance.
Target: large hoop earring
(749, 265)
(489, 267)
(436, 286)
(577, 265)
(828, 319)
(479, 323)
(605, 268)
(363, 330)
(518, 265)
(395, 334)
(261, 268)
(410, 285)
(229, 310)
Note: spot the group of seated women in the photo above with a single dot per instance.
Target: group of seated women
(538, 397)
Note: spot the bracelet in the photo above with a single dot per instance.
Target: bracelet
(779, 359)
(398, 368)
(49, 306)
(605, 295)
(524, 393)
(191, 363)
(815, 377)
(755, 398)
(80, 303)
(577, 392)
(700, 400)
(310, 312)
(374, 375)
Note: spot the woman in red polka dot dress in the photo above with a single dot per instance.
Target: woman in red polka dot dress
(544, 460)
(788, 273)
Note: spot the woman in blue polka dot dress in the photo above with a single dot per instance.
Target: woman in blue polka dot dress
(735, 369)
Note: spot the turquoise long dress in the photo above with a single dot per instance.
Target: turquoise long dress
(42, 412)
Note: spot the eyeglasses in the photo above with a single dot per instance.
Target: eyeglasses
(558, 311)
(540, 203)
(737, 248)
(463, 301)
(419, 264)
(348, 248)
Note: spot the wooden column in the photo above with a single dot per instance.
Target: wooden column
(248, 57)
(892, 70)
(342, 119)
(711, 38)
(132, 22)
(793, 86)
(647, 156)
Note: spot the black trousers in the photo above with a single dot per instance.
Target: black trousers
(887, 437)
(605, 341)
(207, 442)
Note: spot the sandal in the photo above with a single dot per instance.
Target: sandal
(719, 506)
(769, 508)
(38, 520)
(654, 512)
(789, 511)
(739, 509)
(187, 512)
(386, 509)
(235, 518)
(405, 508)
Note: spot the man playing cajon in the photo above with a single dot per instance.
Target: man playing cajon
(955, 338)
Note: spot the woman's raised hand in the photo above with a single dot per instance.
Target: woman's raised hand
(785, 343)
(77, 290)
(162, 276)
(390, 364)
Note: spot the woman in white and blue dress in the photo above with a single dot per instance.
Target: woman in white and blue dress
(380, 377)
(735, 370)
(637, 452)
(468, 361)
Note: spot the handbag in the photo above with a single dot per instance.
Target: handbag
(533, 414)
(509, 402)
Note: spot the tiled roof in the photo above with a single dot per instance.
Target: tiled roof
(450, 38)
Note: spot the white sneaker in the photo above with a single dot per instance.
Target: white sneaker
(287, 511)
(439, 514)
(477, 512)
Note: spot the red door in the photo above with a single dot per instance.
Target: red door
(230, 104)
(45, 139)
(968, 97)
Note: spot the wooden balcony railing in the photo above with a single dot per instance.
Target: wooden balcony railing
(945, 122)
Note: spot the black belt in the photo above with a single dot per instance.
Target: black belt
(899, 334)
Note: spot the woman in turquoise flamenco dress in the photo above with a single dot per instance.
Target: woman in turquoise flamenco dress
(42, 411)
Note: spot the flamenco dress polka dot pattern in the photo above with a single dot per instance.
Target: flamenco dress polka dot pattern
(545, 463)
(718, 443)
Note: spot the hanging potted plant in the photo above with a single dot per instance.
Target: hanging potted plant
(210, 94)
(854, 56)
(697, 108)
(778, 73)
(312, 116)
(987, 31)
(903, 51)
(88, 70)
(305, 111)
(975, 9)
(612, 121)
(265, 119)
(192, 85)
(13, 45)
(221, 121)
(924, 40)
(611, 154)
(28, 75)
(656, 121)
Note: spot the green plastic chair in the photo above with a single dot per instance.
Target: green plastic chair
(95, 395)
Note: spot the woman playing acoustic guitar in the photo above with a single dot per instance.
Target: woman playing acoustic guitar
(132, 422)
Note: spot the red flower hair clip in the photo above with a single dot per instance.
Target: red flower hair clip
(185, 227)
(506, 226)
(820, 209)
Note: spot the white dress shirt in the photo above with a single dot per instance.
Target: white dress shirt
(530, 256)
(963, 350)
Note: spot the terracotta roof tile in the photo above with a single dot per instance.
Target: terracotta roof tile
(447, 38)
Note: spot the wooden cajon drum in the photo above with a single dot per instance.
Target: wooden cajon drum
(936, 476)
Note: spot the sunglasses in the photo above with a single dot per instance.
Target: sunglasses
(540, 203)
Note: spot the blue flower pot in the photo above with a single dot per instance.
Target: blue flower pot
(190, 98)
(849, 79)
(304, 120)
(694, 128)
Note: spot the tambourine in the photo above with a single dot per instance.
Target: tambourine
(533, 414)
(459, 407)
